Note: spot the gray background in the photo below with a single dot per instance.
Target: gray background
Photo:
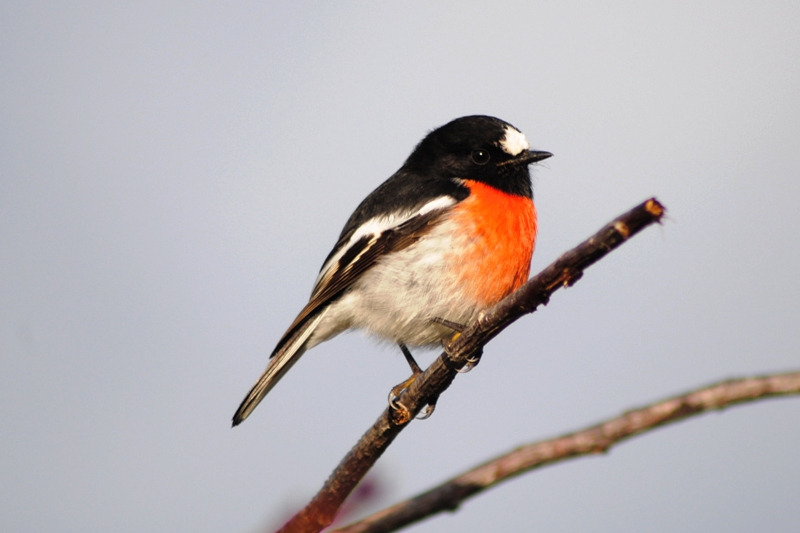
(172, 176)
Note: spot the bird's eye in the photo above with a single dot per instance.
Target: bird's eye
(480, 157)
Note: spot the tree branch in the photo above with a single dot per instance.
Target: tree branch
(596, 439)
(565, 271)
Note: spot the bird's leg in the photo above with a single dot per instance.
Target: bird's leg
(397, 390)
(415, 369)
(455, 326)
(473, 361)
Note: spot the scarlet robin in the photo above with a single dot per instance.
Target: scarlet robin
(447, 236)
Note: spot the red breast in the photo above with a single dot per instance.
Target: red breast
(502, 229)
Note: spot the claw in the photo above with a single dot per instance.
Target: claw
(400, 414)
(428, 411)
(397, 391)
(472, 362)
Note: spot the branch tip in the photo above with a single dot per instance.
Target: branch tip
(655, 208)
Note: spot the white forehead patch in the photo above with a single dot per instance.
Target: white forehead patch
(514, 142)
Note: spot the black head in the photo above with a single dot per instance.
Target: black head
(479, 148)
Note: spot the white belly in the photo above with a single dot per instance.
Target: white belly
(397, 298)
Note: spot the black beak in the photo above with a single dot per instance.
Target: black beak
(532, 156)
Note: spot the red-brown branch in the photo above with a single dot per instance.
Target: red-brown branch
(596, 439)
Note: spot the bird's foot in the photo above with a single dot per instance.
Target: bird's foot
(400, 413)
(471, 363)
(397, 391)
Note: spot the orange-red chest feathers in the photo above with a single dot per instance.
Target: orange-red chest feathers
(500, 235)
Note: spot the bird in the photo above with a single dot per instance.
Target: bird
(447, 236)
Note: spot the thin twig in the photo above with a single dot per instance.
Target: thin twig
(565, 271)
(596, 439)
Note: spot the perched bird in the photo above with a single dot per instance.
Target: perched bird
(447, 236)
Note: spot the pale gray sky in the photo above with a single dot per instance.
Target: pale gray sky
(172, 176)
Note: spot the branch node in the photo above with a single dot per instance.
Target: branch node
(602, 447)
(623, 229)
(560, 280)
(572, 277)
(401, 416)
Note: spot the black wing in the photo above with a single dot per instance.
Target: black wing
(360, 257)
(339, 276)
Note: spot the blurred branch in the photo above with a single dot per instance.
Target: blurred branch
(596, 439)
(425, 390)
